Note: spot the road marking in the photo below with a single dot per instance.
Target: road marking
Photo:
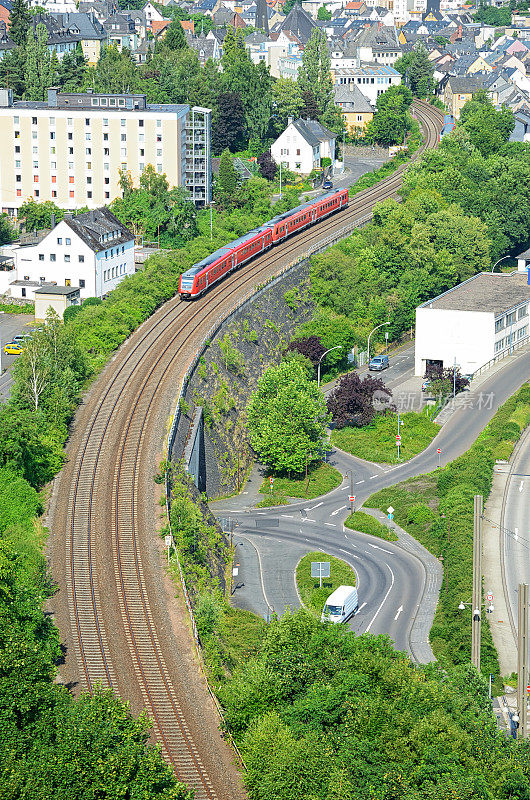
(262, 513)
(382, 601)
(310, 520)
(330, 524)
(288, 516)
(342, 550)
(360, 609)
(521, 486)
(400, 609)
(358, 482)
(516, 534)
(317, 505)
(373, 476)
(379, 548)
(337, 511)
(260, 572)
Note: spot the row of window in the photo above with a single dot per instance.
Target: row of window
(71, 194)
(88, 120)
(112, 253)
(502, 344)
(88, 137)
(53, 257)
(114, 272)
(510, 319)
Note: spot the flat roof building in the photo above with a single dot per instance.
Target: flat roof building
(71, 148)
(481, 319)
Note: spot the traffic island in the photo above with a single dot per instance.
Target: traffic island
(312, 595)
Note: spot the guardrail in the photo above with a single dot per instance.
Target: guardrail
(503, 354)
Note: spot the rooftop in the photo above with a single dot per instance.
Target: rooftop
(486, 292)
(60, 290)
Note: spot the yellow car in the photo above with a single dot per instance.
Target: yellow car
(12, 349)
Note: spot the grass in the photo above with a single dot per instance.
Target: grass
(242, 633)
(365, 523)
(13, 308)
(377, 441)
(322, 478)
(314, 597)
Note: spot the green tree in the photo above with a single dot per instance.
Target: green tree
(323, 13)
(418, 69)
(228, 127)
(13, 71)
(488, 128)
(390, 124)
(173, 40)
(287, 418)
(39, 215)
(38, 63)
(314, 74)
(72, 69)
(227, 179)
(287, 102)
(20, 20)
(114, 72)
(7, 231)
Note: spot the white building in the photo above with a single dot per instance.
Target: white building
(56, 298)
(484, 317)
(372, 79)
(92, 252)
(303, 145)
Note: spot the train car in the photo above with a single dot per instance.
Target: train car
(250, 245)
(196, 280)
(328, 203)
(448, 126)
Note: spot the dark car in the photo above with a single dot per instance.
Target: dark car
(327, 184)
(378, 363)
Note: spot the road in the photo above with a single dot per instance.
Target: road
(515, 521)
(389, 577)
(10, 324)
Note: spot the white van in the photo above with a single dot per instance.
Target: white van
(340, 605)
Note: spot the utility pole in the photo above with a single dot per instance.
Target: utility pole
(305, 494)
(477, 581)
(522, 660)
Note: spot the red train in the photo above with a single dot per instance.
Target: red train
(233, 255)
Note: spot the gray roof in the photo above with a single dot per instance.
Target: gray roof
(494, 293)
(61, 290)
(91, 225)
(313, 132)
(298, 22)
(467, 83)
(89, 27)
(351, 98)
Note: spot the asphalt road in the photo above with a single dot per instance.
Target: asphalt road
(10, 324)
(516, 524)
(391, 580)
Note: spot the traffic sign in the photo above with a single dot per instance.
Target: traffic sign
(390, 510)
(398, 438)
(439, 450)
(271, 480)
(167, 540)
(489, 597)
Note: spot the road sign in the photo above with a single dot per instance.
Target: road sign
(439, 451)
(390, 510)
(351, 498)
(271, 480)
(398, 438)
(320, 569)
(167, 540)
(390, 517)
(489, 597)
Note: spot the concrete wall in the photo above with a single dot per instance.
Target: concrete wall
(445, 334)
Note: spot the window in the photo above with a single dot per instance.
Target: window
(70, 136)
(59, 241)
(81, 259)
(159, 123)
(52, 257)
(140, 123)
(142, 152)
(42, 278)
(52, 135)
(141, 167)
(107, 195)
(81, 283)
(35, 165)
(107, 181)
(54, 194)
(17, 148)
(16, 120)
(298, 152)
(159, 152)
(69, 121)
(123, 137)
(106, 167)
(41, 258)
(70, 165)
(103, 101)
(71, 179)
(523, 311)
(70, 151)
(88, 136)
(53, 164)
(71, 194)
(23, 292)
(52, 120)
(105, 137)
(105, 123)
(123, 123)
(522, 332)
(159, 137)
(106, 151)
(123, 152)
(17, 164)
(67, 259)
(68, 241)
(34, 120)
(17, 134)
(510, 318)
(35, 179)
(67, 281)
(87, 120)
(95, 101)
(141, 137)
(34, 135)
(52, 151)
(88, 151)
(89, 166)
(159, 167)
(54, 178)
(35, 150)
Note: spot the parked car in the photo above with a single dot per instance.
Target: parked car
(425, 385)
(327, 184)
(13, 349)
(340, 605)
(378, 363)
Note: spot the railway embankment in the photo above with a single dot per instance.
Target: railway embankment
(227, 372)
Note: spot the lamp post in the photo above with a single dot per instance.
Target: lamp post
(370, 335)
(337, 347)
(499, 261)
(212, 203)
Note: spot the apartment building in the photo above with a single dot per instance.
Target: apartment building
(371, 79)
(70, 148)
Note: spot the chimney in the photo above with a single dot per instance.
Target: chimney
(68, 215)
(92, 215)
(52, 96)
(53, 222)
(290, 120)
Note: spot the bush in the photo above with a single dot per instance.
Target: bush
(420, 514)
(365, 523)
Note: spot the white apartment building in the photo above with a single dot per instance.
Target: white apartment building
(372, 79)
(70, 148)
(476, 321)
(92, 252)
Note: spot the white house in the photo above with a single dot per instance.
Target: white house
(92, 252)
(372, 79)
(303, 145)
(481, 318)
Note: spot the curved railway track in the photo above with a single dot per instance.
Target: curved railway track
(112, 605)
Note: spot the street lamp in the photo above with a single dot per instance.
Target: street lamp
(499, 261)
(370, 334)
(212, 203)
(337, 347)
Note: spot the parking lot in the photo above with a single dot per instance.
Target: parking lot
(10, 325)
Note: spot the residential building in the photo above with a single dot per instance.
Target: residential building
(458, 90)
(356, 110)
(481, 318)
(54, 6)
(91, 253)
(371, 79)
(121, 31)
(54, 298)
(5, 11)
(89, 31)
(71, 148)
(302, 146)
(198, 155)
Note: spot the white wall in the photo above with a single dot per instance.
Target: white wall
(285, 149)
(445, 334)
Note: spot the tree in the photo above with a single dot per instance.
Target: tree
(7, 231)
(13, 71)
(38, 62)
(488, 128)
(418, 69)
(287, 102)
(174, 38)
(314, 74)
(228, 127)
(391, 122)
(287, 418)
(72, 69)
(227, 179)
(352, 401)
(39, 215)
(309, 346)
(267, 165)
(444, 380)
(324, 14)
(20, 21)
(310, 109)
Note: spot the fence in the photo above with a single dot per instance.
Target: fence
(242, 301)
(507, 352)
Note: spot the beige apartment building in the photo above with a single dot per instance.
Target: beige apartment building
(70, 149)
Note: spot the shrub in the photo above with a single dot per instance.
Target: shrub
(420, 514)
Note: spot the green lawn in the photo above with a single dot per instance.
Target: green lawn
(341, 574)
(365, 523)
(377, 441)
(322, 478)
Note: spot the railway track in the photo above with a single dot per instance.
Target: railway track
(112, 605)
